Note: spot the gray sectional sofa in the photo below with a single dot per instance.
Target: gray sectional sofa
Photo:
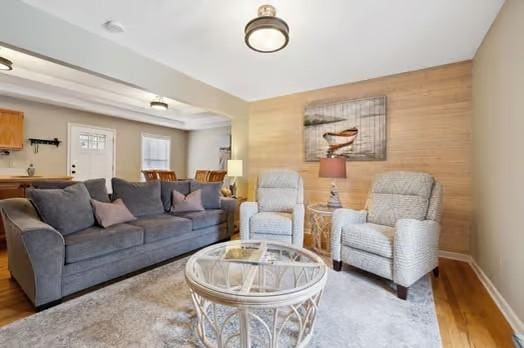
(50, 264)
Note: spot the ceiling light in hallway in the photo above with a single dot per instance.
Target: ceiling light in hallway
(5, 64)
(159, 105)
(266, 33)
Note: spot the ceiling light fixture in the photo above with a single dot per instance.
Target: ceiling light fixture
(266, 33)
(159, 105)
(5, 64)
(114, 27)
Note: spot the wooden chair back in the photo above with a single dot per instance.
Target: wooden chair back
(201, 175)
(150, 174)
(216, 176)
(167, 175)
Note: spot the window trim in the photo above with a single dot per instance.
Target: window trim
(157, 136)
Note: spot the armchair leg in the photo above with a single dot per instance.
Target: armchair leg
(436, 272)
(337, 265)
(402, 292)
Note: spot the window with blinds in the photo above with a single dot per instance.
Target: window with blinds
(155, 151)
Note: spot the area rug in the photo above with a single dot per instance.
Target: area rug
(154, 309)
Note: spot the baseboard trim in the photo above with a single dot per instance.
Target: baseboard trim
(455, 256)
(514, 321)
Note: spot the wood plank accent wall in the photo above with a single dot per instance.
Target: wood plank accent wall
(429, 129)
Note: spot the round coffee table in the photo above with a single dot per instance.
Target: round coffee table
(259, 292)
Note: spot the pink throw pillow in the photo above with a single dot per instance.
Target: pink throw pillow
(109, 214)
(191, 202)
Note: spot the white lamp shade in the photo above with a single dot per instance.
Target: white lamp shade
(234, 168)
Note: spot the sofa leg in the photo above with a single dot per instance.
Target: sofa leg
(48, 305)
(436, 272)
(337, 265)
(402, 292)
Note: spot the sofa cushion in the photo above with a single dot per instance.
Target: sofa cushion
(210, 193)
(163, 226)
(271, 223)
(167, 188)
(141, 198)
(278, 190)
(109, 214)
(68, 210)
(206, 218)
(372, 238)
(97, 241)
(96, 187)
(399, 195)
(191, 202)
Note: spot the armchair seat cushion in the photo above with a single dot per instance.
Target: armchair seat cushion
(271, 223)
(372, 238)
(162, 226)
(97, 241)
(203, 219)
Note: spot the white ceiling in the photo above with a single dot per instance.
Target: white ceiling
(40, 80)
(331, 42)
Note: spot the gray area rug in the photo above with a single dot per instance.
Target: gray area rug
(154, 309)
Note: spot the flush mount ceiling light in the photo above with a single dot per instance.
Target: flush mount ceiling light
(5, 64)
(159, 105)
(114, 27)
(266, 33)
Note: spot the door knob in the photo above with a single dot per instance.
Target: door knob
(73, 172)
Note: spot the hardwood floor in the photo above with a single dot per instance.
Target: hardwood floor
(467, 315)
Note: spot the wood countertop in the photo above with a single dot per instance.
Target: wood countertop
(26, 178)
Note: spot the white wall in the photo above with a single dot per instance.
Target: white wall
(498, 123)
(203, 148)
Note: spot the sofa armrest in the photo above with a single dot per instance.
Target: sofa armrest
(36, 251)
(298, 225)
(247, 210)
(229, 205)
(342, 217)
(415, 251)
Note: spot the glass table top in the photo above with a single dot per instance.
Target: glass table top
(255, 268)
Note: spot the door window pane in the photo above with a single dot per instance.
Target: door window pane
(92, 142)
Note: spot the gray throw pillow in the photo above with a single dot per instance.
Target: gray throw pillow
(167, 188)
(141, 198)
(109, 214)
(97, 189)
(191, 202)
(68, 210)
(210, 193)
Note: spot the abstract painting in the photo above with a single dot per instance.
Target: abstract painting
(355, 129)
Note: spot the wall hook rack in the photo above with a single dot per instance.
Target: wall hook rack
(36, 142)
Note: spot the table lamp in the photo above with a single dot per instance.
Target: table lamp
(334, 168)
(234, 169)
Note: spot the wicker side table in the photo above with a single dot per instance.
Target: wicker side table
(320, 218)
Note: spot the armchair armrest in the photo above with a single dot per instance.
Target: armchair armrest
(247, 210)
(298, 225)
(415, 251)
(342, 217)
(229, 204)
(36, 251)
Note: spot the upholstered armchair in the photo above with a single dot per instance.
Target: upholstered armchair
(397, 236)
(278, 213)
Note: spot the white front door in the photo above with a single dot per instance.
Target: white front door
(91, 153)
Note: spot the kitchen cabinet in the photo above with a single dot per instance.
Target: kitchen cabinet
(11, 130)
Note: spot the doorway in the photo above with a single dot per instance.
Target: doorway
(91, 153)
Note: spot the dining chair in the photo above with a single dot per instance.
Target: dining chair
(166, 175)
(216, 176)
(150, 174)
(201, 175)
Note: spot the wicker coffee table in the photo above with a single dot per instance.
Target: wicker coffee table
(255, 292)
